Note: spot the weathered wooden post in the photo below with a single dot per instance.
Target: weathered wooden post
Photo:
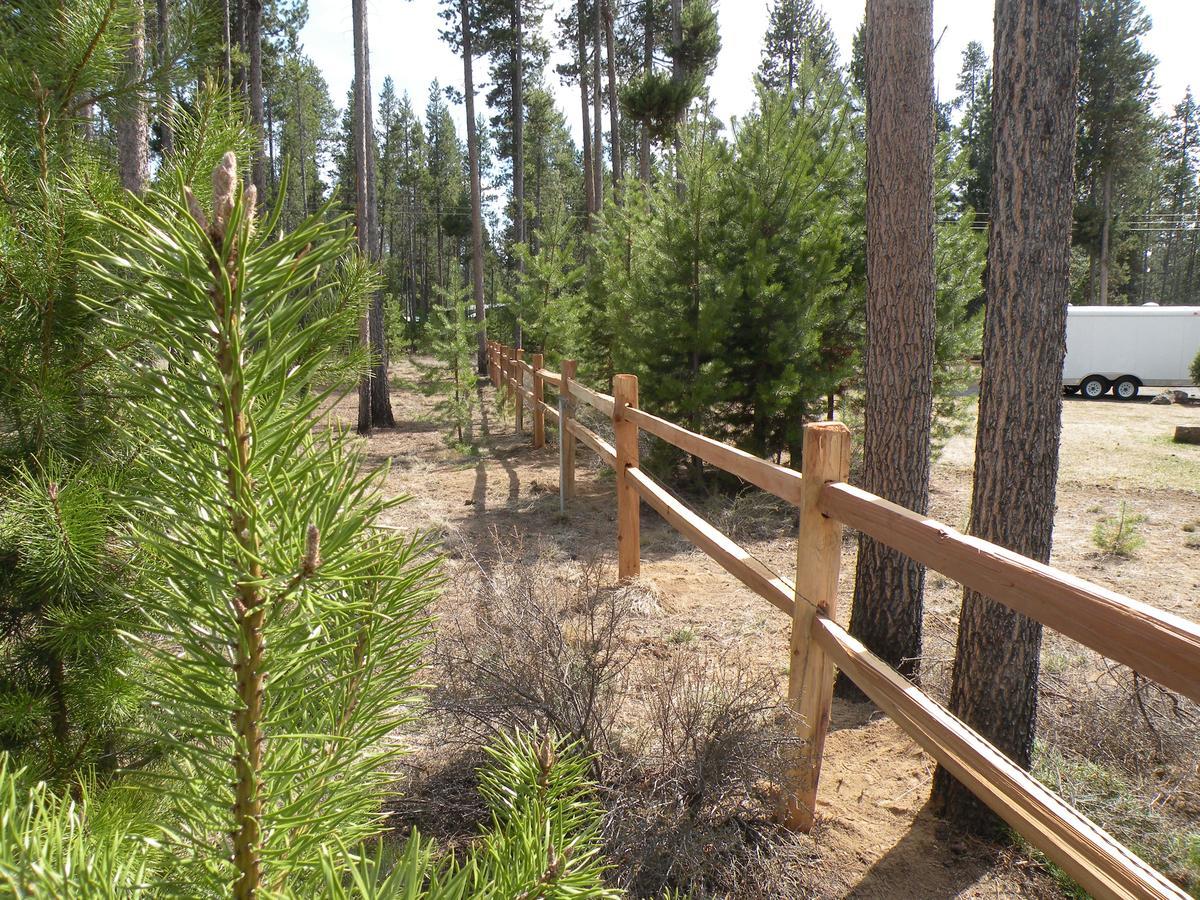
(566, 438)
(518, 386)
(629, 551)
(502, 374)
(508, 372)
(539, 397)
(818, 565)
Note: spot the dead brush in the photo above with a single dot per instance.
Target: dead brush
(691, 810)
(527, 641)
(752, 514)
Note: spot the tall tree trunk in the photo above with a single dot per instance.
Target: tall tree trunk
(614, 99)
(254, 87)
(518, 144)
(133, 134)
(994, 687)
(381, 402)
(589, 186)
(597, 107)
(476, 189)
(677, 74)
(362, 214)
(901, 319)
(166, 102)
(1105, 233)
(647, 68)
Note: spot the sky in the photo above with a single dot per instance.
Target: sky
(405, 45)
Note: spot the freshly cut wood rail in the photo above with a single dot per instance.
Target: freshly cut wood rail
(1154, 643)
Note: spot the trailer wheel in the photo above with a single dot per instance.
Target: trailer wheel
(1094, 387)
(1126, 388)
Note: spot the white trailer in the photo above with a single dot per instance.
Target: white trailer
(1123, 348)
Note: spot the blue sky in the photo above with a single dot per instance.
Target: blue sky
(405, 45)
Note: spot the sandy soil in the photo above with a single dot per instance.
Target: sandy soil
(875, 836)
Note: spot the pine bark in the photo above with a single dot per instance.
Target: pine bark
(133, 129)
(166, 102)
(614, 115)
(589, 188)
(476, 190)
(994, 687)
(886, 615)
(362, 216)
(381, 402)
(518, 143)
(253, 49)
(1105, 233)
(647, 67)
(597, 108)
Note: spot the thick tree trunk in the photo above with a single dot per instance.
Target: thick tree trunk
(614, 99)
(1105, 234)
(888, 588)
(166, 102)
(647, 67)
(133, 131)
(362, 214)
(597, 107)
(253, 49)
(476, 190)
(518, 144)
(994, 687)
(589, 185)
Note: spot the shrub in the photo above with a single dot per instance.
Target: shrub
(1118, 535)
(1195, 369)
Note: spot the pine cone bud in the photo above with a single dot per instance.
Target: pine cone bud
(224, 185)
(195, 208)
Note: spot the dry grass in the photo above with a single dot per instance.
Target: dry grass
(686, 741)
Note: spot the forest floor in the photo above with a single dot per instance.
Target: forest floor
(875, 836)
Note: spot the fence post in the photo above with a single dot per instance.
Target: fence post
(507, 373)
(518, 384)
(566, 438)
(502, 366)
(629, 552)
(818, 565)
(539, 396)
(492, 367)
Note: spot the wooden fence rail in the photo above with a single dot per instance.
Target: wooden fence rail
(1152, 642)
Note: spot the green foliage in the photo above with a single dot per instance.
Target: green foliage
(96, 844)
(659, 285)
(1119, 535)
(787, 309)
(549, 290)
(799, 35)
(1194, 370)
(454, 343)
(283, 630)
(65, 563)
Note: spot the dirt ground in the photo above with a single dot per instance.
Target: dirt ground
(874, 834)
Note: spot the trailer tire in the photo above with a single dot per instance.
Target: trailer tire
(1094, 387)
(1126, 388)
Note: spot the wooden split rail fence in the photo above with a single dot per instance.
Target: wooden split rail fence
(1156, 644)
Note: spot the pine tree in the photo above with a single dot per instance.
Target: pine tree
(67, 699)
(1116, 92)
(452, 341)
(798, 35)
(973, 134)
(789, 317)
(549, 289)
